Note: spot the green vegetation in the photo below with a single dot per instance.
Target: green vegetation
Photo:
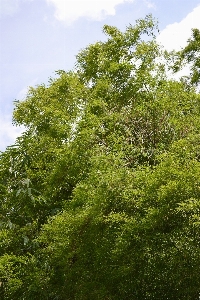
(100, 196)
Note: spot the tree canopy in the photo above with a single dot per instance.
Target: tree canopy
(100, 196)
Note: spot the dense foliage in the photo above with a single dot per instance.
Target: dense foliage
(100, 196)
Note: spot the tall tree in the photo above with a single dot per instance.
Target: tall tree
(100, 195)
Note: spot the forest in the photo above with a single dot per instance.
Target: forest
(100, 195)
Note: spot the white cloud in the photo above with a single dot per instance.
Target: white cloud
(150, 4)
(175, 35)
(10, 7)
(8, 132)
(70, 10)
(23, 92)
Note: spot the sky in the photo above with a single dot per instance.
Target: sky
(38, 37)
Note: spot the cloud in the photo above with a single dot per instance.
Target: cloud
(71, 10)
(175, 35)
(8, 132)
(10, 7)
(24, 91)
(150, 4)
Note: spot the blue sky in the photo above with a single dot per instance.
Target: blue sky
(38, 37)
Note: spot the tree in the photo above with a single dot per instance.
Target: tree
(100, 195)
(190, 55)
